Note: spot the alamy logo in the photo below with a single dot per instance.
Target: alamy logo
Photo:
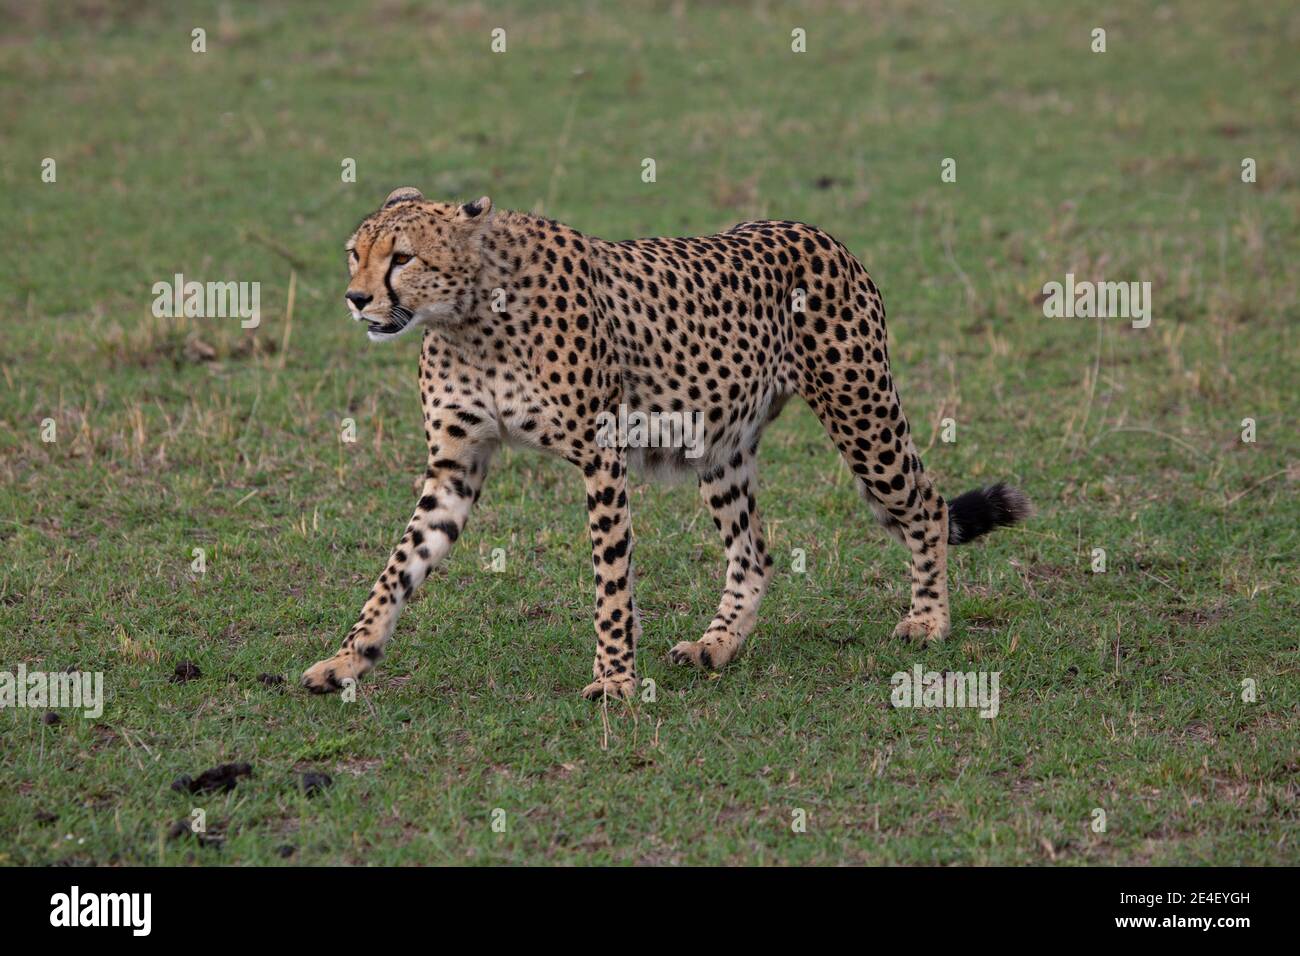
(637, 429)
(916, 688)
(1098, 300)
(38, 689)
(208, 300)
(103, 909)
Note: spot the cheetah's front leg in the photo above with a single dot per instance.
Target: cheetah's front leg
(449, 491)
(617, 625)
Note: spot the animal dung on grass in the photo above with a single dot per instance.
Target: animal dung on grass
(314, 783)
(186, 671)
(219, 779)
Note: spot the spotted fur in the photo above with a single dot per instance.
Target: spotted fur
(532, 329)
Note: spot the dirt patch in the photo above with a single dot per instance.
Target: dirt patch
(1048, 572)
(1200, 730)
(357, 767)
(985, 622)
(1199, 618)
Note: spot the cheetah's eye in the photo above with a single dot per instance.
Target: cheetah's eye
(401, 258)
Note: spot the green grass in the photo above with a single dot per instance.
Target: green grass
(1120, 691)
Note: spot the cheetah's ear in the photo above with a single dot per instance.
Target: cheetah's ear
(403, 194)
(474, 211)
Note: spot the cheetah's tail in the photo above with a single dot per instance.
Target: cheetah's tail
(978, 512)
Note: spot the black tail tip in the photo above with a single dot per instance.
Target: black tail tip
(978, 512)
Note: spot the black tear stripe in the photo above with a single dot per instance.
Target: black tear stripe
(388, 284)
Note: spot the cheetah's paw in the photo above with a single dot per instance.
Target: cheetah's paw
(327, 676)
(711, 652)
(924, 629)
(620, 686)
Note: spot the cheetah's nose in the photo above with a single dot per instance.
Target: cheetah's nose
(359, 299)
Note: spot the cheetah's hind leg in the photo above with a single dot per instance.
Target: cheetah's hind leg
(729, 492)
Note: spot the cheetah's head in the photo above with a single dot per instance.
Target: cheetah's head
(414, 261)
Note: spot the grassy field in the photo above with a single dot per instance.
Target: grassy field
(1120, 691)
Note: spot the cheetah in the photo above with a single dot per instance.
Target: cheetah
(533, 330)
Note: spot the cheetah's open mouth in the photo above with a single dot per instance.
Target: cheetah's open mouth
(399, 318)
